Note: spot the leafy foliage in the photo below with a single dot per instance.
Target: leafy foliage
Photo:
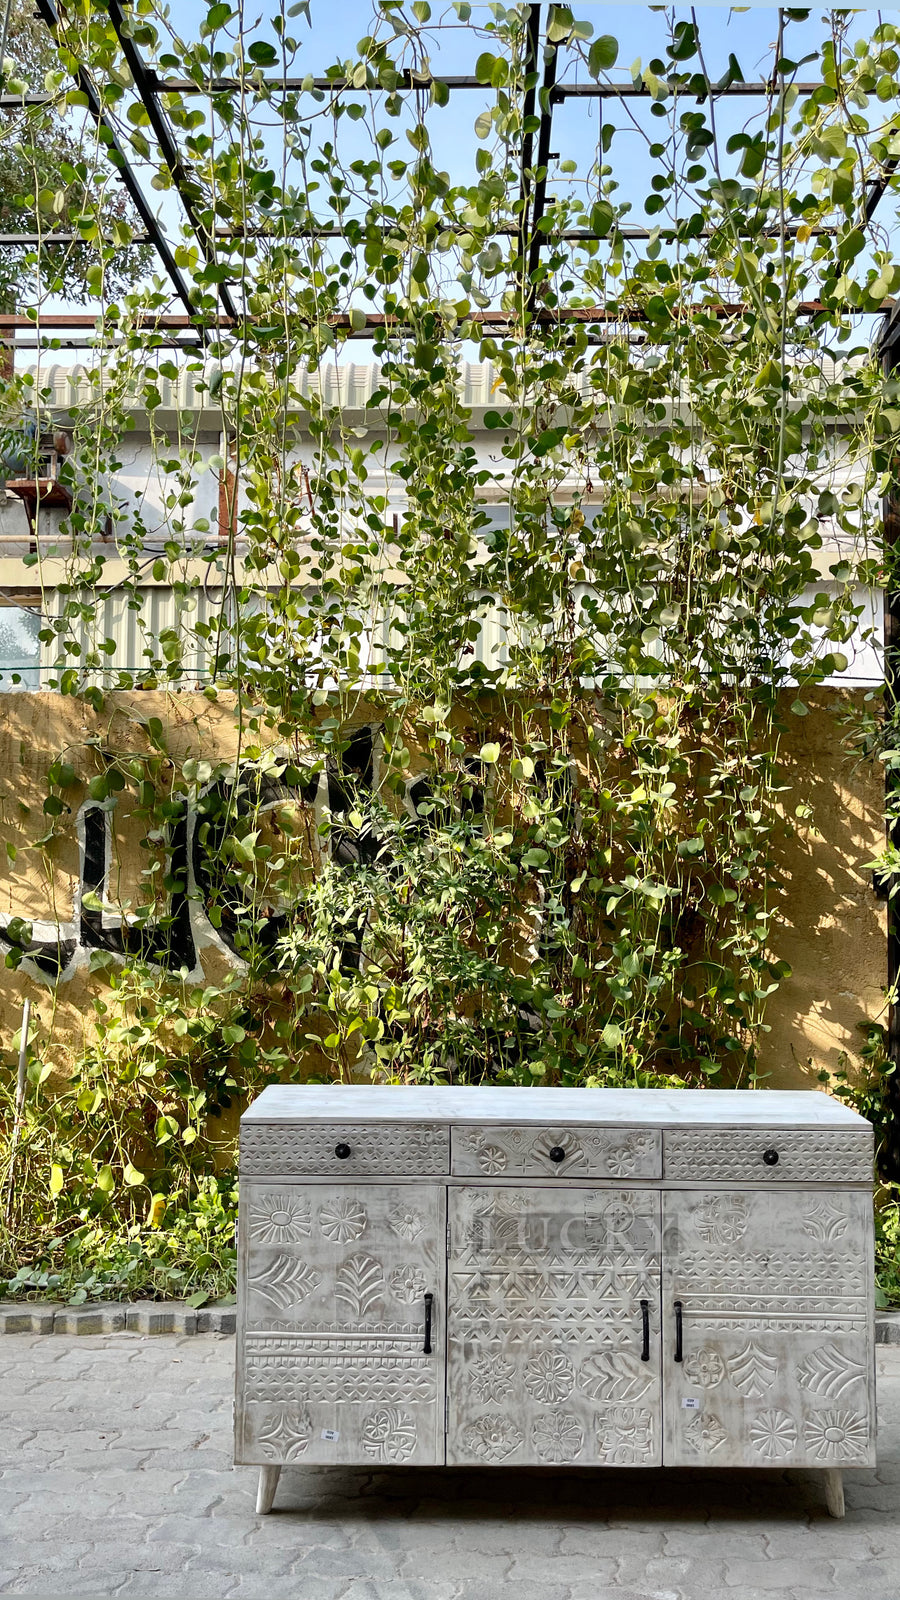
(553, 863)
(49, 176)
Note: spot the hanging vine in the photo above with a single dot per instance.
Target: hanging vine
(553, 863)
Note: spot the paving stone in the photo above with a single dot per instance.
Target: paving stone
(90, 1513)
(794, 1577)
(216, 1319)
(160, 1316)
(27, 1316)
(102, 1317)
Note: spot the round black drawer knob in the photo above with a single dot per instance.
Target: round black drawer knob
(342, 1151)
(557, 1153)
(770, 1157)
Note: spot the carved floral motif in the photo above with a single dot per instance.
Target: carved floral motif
(285, 1435)
(492, 1158)
(572, 1148)
(704, 1433)
(625, 1436)
(632, 1157)
(836, 1435)
(773, 1434)
(343, 1220)
(825, 1221)
(275, 1218)
(490, 1379)
(389, 1434)
(704, 1369)
(406, 1224)
(722, 1219)
(549, 1377)
(491, 1438)
(558, 1436)
(408, 1284)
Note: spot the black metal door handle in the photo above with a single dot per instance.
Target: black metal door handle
(679, 1338)
(645, 1330)
(429, 1302)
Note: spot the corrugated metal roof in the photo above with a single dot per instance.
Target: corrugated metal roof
(347, 384)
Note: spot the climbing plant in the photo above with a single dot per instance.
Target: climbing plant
(553, 863)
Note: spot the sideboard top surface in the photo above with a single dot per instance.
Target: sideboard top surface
(664, 1108)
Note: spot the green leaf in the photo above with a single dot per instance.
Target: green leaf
(263, 53)
(603, 54)
(560, 24)
(490, 753)
(483, 125)
(612, 1036)
(535, 858)
(132, 1176)
(105, 1181)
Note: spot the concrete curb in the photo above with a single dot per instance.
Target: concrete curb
(112, 1316)
(172, 1316)
(887, 1327)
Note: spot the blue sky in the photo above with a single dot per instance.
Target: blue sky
(642, 33)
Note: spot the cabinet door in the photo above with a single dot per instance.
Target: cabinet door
(548, 1292)
(775, 1290)
(332, 1297)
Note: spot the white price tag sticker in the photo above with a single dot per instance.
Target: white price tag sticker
(690, 1403)
(330, 1435)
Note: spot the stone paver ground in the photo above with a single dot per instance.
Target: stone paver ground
(116, 1479)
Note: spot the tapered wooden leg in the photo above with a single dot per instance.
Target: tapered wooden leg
(268, 1483)
(834, 1491)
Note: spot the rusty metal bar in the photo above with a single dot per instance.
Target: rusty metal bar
(408, 81)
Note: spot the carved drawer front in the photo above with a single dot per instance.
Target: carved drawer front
(768, 1155)
(340, 1290)
(774, 1293)
(553, 1344)
(559, 1152)
(393, 1150)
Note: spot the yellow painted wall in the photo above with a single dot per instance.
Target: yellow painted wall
(830, 927)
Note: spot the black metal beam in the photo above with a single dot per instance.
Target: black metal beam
(543, 160)
(168, 146)
(879, 188)
(889, 1161)
(666, 232)
(533, 42)
(48, 14)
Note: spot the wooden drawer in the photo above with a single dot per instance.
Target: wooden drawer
(574, 1152)
(767, 1155)
(325, 1150)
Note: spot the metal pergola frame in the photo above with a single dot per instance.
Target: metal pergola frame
(542, 93)
(540, 99)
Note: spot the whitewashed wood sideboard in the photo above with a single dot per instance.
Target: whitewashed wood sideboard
(574, 1277)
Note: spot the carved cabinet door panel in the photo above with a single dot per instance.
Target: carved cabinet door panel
(774, 1290)
(333, 1317)
(553, 1349)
